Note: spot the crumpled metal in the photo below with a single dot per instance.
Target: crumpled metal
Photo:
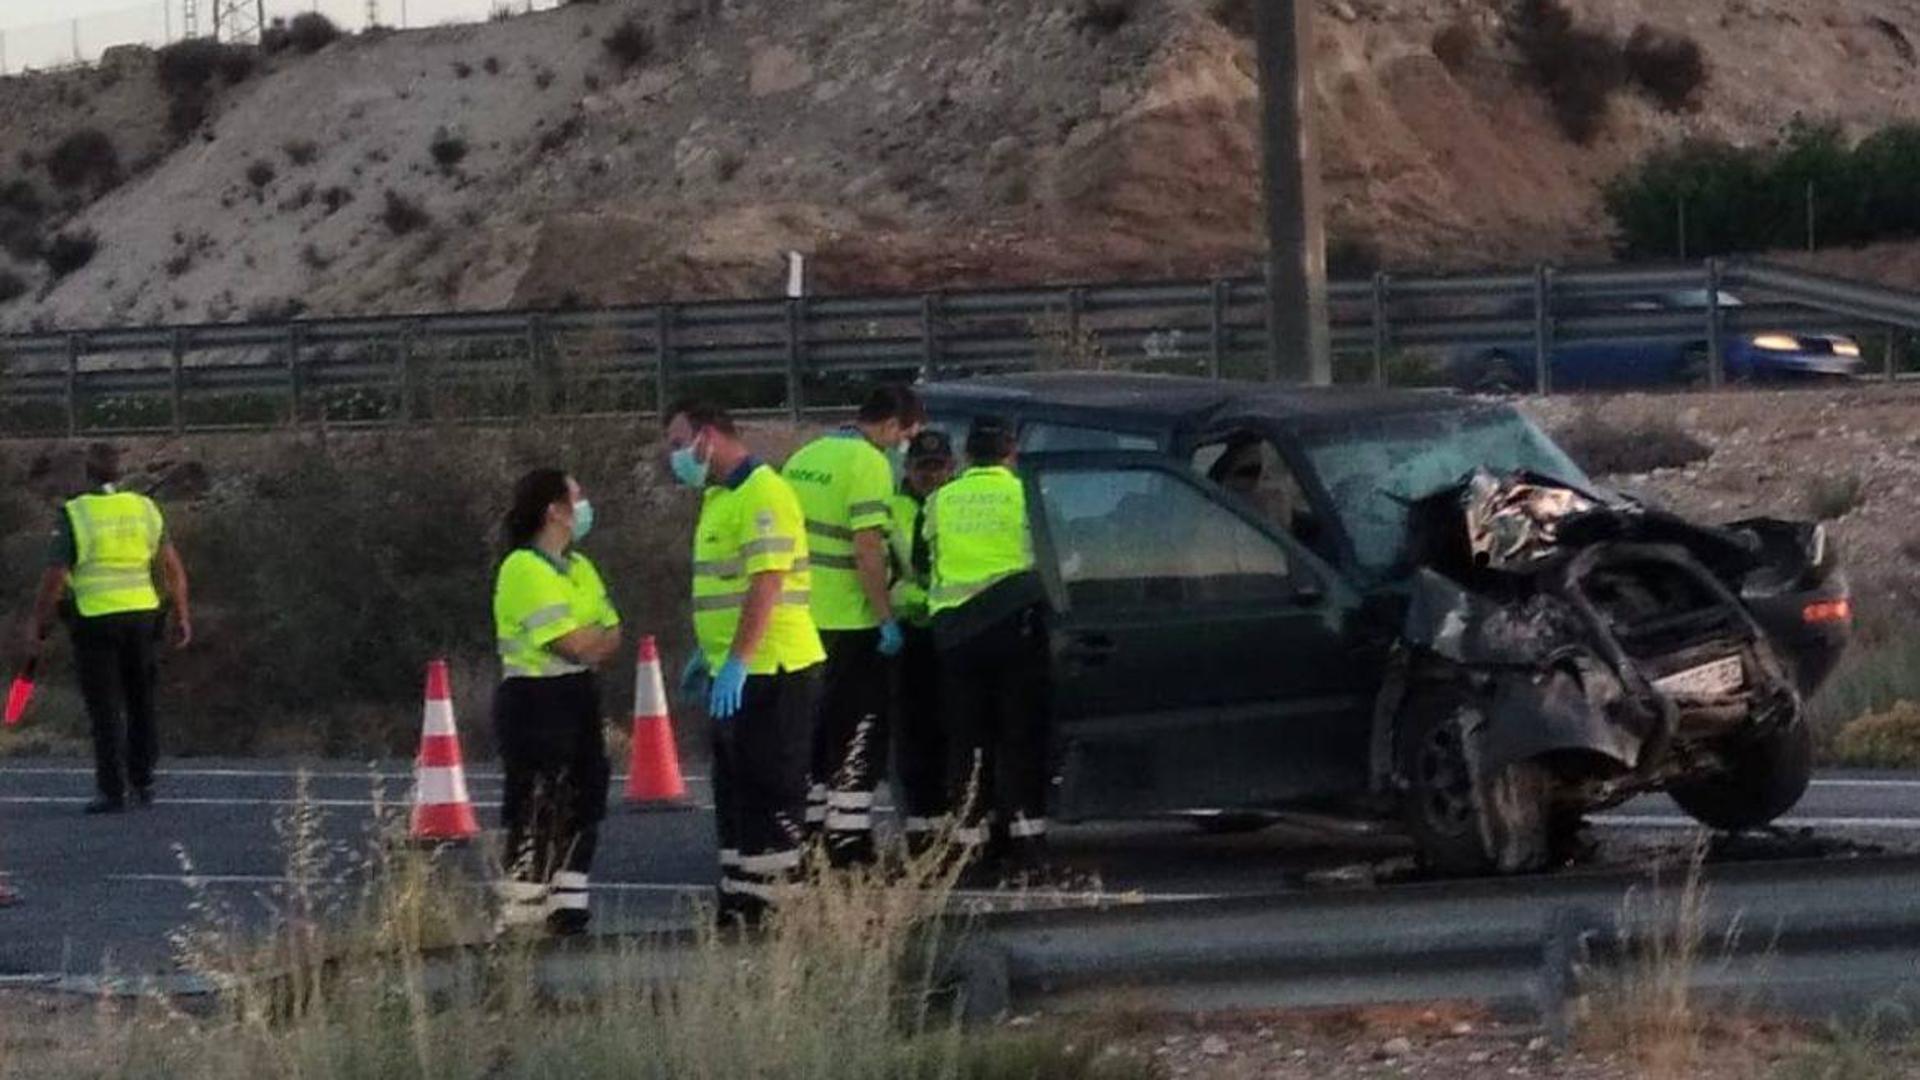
(1513, 523)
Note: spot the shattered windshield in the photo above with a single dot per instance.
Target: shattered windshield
(1374, 466)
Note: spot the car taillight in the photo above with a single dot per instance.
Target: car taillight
(1827, 611)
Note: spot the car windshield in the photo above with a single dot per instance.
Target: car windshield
(1373, 467)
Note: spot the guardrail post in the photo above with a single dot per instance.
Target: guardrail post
(662, 359)
(176, 381)
(796, 358)
(1716, 348)
(1381, 331)
(1217, 328)
(1076, 313)
(1886, 354)
(73, 384)
(403, 365)
(1543, 329)
(930, 337)
(539, 386)
(293, 374)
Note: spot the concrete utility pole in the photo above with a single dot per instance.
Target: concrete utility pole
(1298, 349)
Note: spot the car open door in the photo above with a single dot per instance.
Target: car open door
(1199, 658)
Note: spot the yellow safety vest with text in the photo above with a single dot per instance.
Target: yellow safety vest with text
(537, 600)
(751, 528)
(977, 526)
(843, 484)
(909, 593)
(116, 536)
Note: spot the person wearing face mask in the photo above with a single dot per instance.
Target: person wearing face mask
(757, 652)
(844, 480)
(555, 625)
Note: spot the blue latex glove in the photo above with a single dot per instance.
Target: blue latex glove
(694, 674)
(728, 687)
(890, 639)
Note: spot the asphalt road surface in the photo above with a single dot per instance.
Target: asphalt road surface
(103, 894)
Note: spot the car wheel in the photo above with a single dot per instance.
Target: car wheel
(1230, 823)
(1765, 777)
(1463, 821)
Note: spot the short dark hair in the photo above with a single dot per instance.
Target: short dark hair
(103, 463)
(702, 414)
(991, 440)
(892, 401)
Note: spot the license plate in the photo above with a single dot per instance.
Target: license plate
(1719, 677)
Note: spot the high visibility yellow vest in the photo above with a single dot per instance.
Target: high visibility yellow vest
(843, 484)
(115, 538)
(909, 593)
(977, 525)
(751, 529)
(538, 600)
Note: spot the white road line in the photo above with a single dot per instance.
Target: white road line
(1841, 782)
(1663, 821)
(164, 801)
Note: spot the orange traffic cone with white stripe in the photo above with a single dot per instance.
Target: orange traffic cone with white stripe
(442, 811)
(653, 771)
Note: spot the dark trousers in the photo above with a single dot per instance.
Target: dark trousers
(115, 658)
(995, 686)
(920, 737)
(850, 742)
(554, 757)
(760, 788)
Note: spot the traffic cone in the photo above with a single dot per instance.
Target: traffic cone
(442, 810)
(653, 772)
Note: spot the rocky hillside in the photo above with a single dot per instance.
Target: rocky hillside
(900, 143)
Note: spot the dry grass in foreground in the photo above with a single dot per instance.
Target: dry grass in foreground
(357, 981)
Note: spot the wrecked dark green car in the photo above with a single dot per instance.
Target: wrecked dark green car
(1396, 606)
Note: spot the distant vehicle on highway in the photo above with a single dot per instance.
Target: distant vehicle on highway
(1655, 359)
(1396, 605)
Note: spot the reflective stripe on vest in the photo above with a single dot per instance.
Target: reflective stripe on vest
(115, 539)
(842, 482)
(979, 533)
(744, 529)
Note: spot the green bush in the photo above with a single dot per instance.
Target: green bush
(1750, 199)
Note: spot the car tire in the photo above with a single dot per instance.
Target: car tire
(1464, 823)
(1232, 823)
(1765, 777)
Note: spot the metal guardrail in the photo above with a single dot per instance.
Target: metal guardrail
(801, 355)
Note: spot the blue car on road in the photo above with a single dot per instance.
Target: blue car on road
(1657, 359)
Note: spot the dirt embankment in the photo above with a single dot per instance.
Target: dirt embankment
(904, 144)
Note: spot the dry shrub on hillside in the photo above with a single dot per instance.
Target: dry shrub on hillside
(629, 43)
(1456, 44)
(447, 150)
(12, 286)
(1104, 16)
(70, 251)
(1832, 497)
(1668, 66)
(1578, 69)
(402, 215)
(310, 31)
(83, 157)
(1236, 15)
(1605, 448)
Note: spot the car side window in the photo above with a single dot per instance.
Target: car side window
(1247, 465)
(1043, 437)
(1137, 537)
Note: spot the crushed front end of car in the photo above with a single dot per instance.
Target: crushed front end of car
(1604, 644)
